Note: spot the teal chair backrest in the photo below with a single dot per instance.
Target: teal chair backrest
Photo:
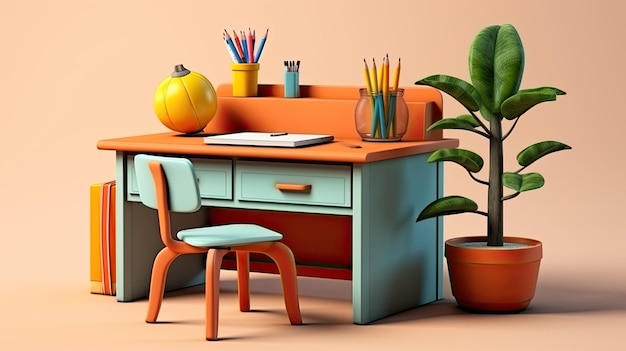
(183, 191)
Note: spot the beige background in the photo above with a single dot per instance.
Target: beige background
(74, 72)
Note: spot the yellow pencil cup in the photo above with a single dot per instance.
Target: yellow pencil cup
(245, 79)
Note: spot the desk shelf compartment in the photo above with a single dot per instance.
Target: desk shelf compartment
(215, 179)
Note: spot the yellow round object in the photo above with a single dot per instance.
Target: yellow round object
(186, 101)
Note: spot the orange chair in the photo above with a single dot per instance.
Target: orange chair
(168, 184)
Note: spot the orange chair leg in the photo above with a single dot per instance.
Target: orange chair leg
(243, 280)
(212, 290)
(160, 267)
(285, 261)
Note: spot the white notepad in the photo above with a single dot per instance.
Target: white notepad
(268, 139)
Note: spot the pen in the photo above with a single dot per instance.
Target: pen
(292, 66)
(278, 134)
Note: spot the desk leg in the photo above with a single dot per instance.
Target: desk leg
(138, 242)
(396, 261)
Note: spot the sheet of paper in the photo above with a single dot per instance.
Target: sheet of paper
(278, 139)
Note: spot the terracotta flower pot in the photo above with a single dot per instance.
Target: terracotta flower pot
(493, 279)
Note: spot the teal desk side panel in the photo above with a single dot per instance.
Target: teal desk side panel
(397, 263)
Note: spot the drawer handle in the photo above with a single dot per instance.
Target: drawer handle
(300, 188)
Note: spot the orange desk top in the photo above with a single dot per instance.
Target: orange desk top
(340, 150)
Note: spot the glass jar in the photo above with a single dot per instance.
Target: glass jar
(381, 116)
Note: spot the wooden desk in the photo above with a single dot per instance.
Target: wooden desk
(357, 222)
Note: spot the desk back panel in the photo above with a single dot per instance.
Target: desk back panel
(321, 243)
(320, 109)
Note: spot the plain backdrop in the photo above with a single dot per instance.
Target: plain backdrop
(74, 72)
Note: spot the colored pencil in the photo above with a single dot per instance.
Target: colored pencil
(244, 45)
(375, 93)
(238, 44)
(380, 76)
(231, 47)
(373, 77)
(250, 47)
(261, 45)
(396, 76)
(381, 115)
(391, 123)
(385, 73)
(366, 74)
(392, 101)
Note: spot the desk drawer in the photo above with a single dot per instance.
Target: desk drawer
(215, 178)
(294, 183)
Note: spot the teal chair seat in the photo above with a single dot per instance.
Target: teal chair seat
(228, 235)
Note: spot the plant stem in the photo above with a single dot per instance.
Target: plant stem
(510, 130)
(508, 197)
(476, 179)
(480, 122)
(495, 221)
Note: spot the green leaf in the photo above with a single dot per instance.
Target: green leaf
(522, 182)
(471, 161)
(454, 123)
(524, 100)
(538, 150)
(496, 64)
(447, 206)
(469, 119)
(459, 89)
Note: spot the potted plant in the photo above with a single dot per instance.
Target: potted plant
(492, 273)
